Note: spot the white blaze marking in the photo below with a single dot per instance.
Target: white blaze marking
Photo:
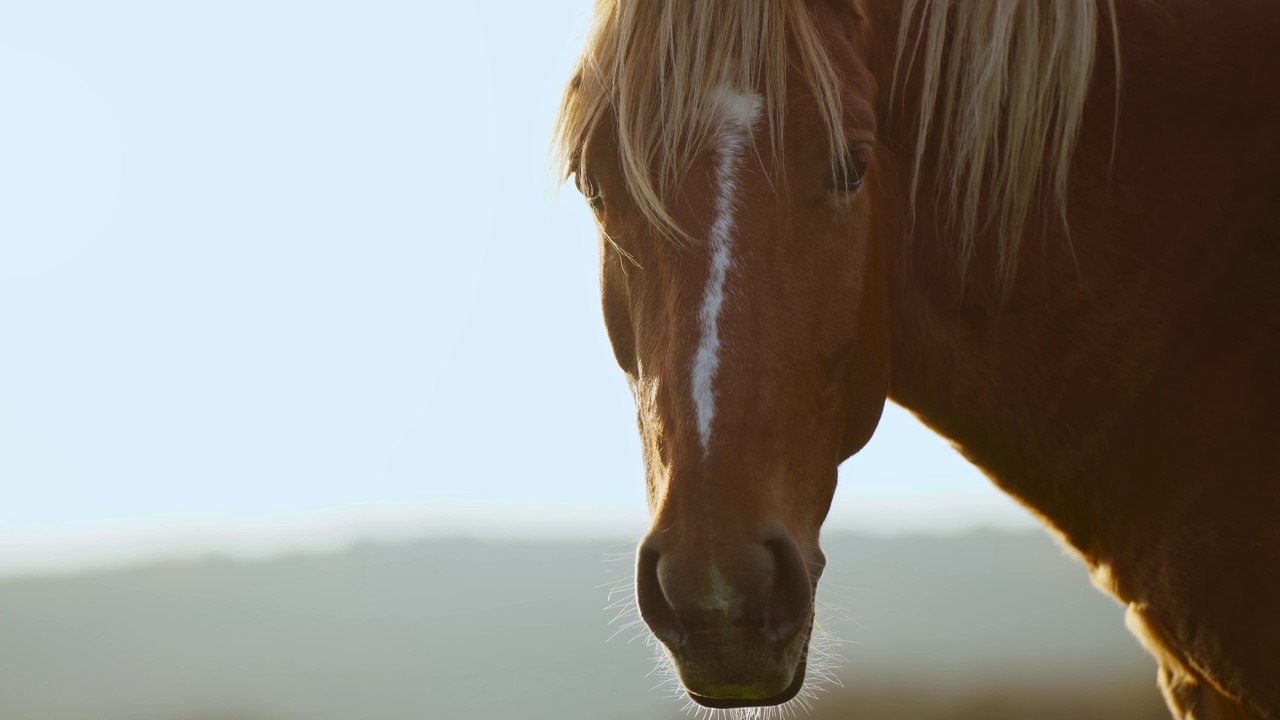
(738, 115)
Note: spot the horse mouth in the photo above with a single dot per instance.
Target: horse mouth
(793, 689)
(797, 684)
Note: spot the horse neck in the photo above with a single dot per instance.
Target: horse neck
(1043, 386)
(1125, 388)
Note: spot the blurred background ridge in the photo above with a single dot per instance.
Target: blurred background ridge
(980, 625)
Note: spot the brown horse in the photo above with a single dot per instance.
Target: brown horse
(1050, 228)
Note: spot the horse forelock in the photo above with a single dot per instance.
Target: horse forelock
(657, 70)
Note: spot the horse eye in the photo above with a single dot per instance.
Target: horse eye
(850, 173)
(591, 192)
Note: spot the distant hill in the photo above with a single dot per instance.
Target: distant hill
(1004, 626)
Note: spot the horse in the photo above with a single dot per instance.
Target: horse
(1048, 228)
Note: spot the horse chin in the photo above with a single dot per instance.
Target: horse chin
(797, 684)
(792, 690)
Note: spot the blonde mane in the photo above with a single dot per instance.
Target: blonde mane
(1003, 85)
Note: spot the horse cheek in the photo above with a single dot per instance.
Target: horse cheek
(868, 380)
(615, 303)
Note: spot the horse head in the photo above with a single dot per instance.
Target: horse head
(727, 150)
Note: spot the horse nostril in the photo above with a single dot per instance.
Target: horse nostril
(761, 589)
(655, 609)
(791, 601)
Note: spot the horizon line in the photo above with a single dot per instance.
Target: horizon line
(184, 540)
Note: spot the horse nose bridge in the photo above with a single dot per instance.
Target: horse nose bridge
(718, 498)
(767, 391)
(727, 360)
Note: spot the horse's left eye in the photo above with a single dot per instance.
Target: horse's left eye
(849, 174)
(591, 192)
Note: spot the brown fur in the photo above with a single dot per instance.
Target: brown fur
(1124, 385)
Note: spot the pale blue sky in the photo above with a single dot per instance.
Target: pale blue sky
(297, 265)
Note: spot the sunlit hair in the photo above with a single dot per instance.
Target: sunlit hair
(1002, 94)
(1002, 85)
(657, 68)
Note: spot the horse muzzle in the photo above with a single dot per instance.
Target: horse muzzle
(734, 619)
